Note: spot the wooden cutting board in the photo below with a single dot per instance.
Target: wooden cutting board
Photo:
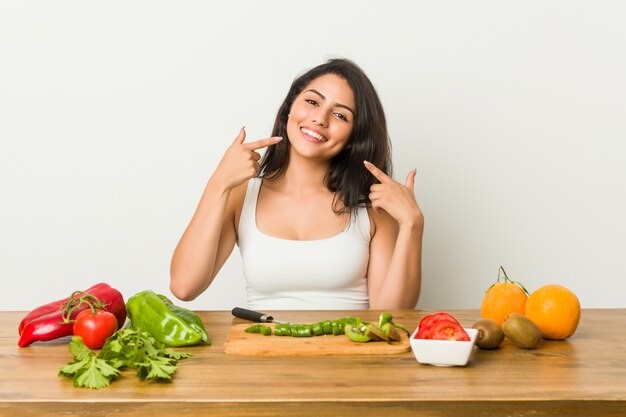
(238, 342)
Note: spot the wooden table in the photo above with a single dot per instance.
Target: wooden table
(583, 376)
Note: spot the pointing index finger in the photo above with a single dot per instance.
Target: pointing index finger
(380, 175)
(262, 143)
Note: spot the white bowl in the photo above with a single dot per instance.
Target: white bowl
(443, 352)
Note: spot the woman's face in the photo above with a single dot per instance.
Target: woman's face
(321, 118)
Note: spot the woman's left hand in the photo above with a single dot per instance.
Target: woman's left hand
(396, 199)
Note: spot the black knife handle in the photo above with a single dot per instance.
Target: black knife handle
(251, 315)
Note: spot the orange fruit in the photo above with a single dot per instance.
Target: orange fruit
(555, 310)
(503, 298)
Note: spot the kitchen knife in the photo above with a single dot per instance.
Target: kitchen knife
(256, 316)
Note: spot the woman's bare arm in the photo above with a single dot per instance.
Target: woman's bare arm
(394, 271)
(211, 235)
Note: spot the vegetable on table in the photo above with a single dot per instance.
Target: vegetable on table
(169, 324)
(189, 316)
(126, 348)
(334, 327)
(94, 326)
(259, 328)
(56, 319)
(356, 329)
(441, 326)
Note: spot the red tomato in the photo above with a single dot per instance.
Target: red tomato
(427, 322)
(448, 330)
(94, 329)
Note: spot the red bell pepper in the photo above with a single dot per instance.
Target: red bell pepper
(51, 321)
(55, 306)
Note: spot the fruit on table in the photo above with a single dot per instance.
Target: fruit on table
(502, 298)
(376, 333)
(490, 334)
(357, 333)
(555, 310)
(522, 331)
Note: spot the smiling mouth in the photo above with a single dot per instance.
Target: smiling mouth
(314, 135)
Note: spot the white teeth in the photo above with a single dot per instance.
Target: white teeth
(315, 135)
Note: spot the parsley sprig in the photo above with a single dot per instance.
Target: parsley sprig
(126, 348)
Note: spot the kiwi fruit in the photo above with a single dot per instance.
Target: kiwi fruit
(391, 331)
(522, 331)
(357, 333)
(490, 334)
(375, 333)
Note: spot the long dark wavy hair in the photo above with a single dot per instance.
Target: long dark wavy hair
(369, 140)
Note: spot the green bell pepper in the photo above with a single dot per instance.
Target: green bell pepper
(189, 316)
(169, 324)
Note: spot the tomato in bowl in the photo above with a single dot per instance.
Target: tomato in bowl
(440, 340)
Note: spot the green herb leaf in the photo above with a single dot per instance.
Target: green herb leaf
(79, 349)
(156, 368)
(126, 348)
(96, 374)
(171, 353)
(73, 367)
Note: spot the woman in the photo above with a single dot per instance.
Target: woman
(318, 220)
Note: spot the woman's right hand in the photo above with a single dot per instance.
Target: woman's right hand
(241, 161)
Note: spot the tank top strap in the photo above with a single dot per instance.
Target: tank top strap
(248, 211)
(360, 221)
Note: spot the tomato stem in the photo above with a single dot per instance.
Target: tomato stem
(75, 302)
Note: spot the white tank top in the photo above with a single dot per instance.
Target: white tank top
(324, 274)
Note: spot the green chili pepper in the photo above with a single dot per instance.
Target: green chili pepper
(282, 330)
(388, 318)
(170, 326)
(335, 327)
(318, 329)
(384, 318)
(327, 326)
(259, 328)
(301, 330)
(253, 329)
